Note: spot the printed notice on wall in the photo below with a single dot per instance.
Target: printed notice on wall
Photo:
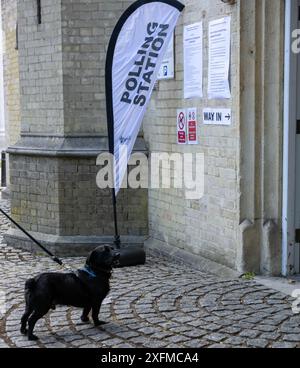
(168, 65)
(193, 60)
(219, 59)
(192, 126)
(217, 116)
(181, 126)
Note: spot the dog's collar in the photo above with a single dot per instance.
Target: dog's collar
(91, 273)
(87, 270)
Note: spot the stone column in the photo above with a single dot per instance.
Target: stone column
(10, 72)
(261, 98)
(63, 129)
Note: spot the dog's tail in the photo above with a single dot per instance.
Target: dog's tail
(30, 285)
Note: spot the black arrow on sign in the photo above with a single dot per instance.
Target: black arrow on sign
(228, 117)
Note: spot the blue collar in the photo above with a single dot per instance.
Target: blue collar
(87, 270)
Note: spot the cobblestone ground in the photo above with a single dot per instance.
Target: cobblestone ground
(161, 304)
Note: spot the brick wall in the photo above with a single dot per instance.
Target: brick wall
(41, 68)
(53, 167)
(62, 65)
(207, 227)
(86, 30)
(60, 197)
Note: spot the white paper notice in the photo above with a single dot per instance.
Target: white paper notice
(219, 59)
(193, 60)
(167, 67)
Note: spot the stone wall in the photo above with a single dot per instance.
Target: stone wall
(43, 192)
(53, 165)
(11, 71)
(86, 30)
(40, 55)
(62, 65)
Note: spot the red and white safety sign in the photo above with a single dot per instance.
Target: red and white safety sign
(192, 126)
(181, 126)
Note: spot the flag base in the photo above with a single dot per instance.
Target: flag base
(131, 256)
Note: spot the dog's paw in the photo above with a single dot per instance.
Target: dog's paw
(85, 319)
(99, 323)
(24, 331)
(32, 338)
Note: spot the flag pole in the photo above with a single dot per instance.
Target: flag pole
(117, 241)
(110, 128)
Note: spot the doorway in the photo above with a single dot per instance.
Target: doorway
(291, 145)
(297, 160)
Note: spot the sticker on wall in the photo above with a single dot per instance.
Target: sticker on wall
(217, 116)
(181, 126)
(192, 126)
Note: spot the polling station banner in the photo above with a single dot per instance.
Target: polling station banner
(135, 53)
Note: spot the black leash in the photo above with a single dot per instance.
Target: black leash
(53, 257)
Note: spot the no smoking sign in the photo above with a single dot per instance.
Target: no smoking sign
(181, 126)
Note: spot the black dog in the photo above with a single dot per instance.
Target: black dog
(86, 289)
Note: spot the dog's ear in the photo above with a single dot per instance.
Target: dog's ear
(90, 258)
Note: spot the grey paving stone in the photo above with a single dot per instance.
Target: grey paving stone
(155, 344)
(218, 346)
(258, 343)
(273, 336)
(265, 328)
(72, 338)
(195, 333)
(249, 333)
(113, 342)
(196, 344)
(292, 338)
(140, 340)
(177, 339)
(235, 341)
(89, 346)
(232, 330)
(127, 334)
(124, 346)
(216, 337)
(56, 345)
(149, 330)
(81, 342)
(284, 345)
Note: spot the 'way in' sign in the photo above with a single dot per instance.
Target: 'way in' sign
(217, 116)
